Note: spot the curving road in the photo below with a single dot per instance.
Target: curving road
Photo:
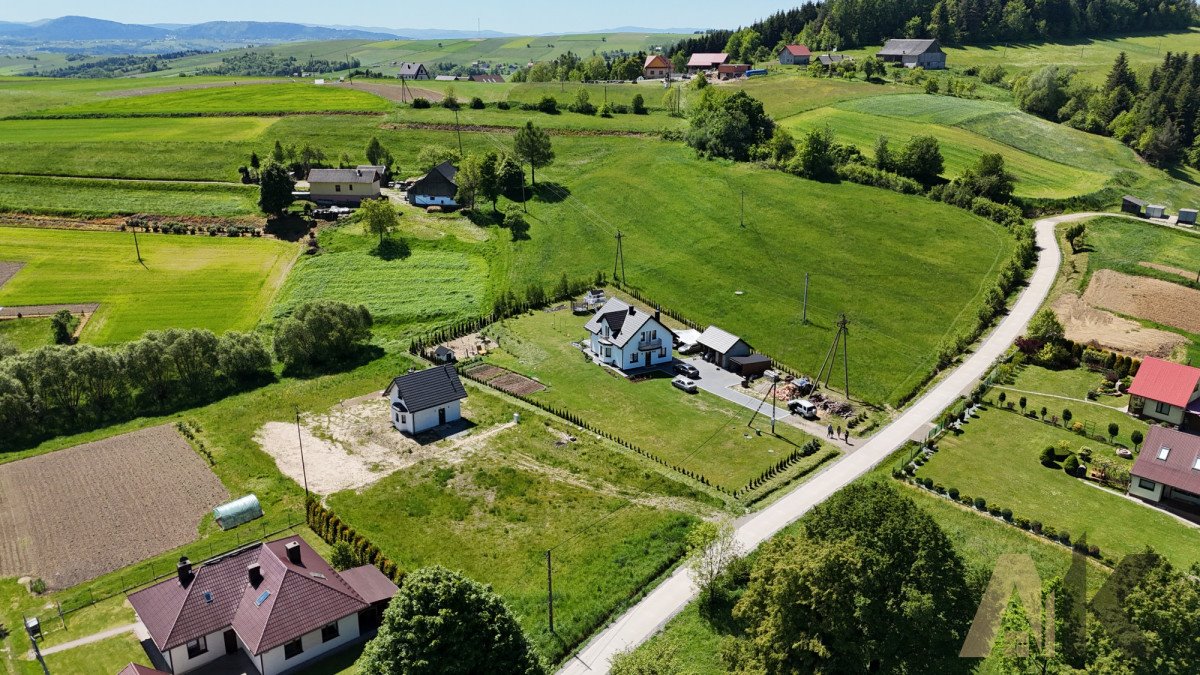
(644, 619)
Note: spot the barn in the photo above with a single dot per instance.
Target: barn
(927, 54)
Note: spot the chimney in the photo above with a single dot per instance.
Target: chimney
(184, 570)
(293, 552)
(255, 574)
(657, 314)
(632, 310)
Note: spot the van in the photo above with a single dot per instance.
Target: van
(803, 407)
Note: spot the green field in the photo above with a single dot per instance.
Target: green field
(652, 123)
(186, 281)
(1071, 382)
(27, 333)
(1122, 244)
(245, 98)
(91, 197)
(20, 95)
(996, 457)
(495, 512)
(700, 432)
(159, 129)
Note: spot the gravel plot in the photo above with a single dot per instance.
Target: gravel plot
(75, 514)
(46, 310)
(1154, 299)
(9, 270)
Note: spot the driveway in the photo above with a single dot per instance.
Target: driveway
(674, 593)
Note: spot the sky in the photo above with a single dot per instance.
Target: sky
(508, 16)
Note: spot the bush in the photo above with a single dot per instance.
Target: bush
(994, 510)
(420, 102)
(476, 103)
(1022, 523)
(1036, 526)
(548, 105)
(867, 175)
(37, 586)
(953, 492)
(639, 105)
(322, 333)
(1093, 550)
(503, 105)
(980, 503)
(1071, 466)
(1048, 456)
(1006, 513)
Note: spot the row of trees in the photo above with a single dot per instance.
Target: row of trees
(597, 67)
(838, 24)
(254, 63)
(1158, 116)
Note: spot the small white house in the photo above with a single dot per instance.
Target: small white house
(626, 338)
(425, 399)
(343, 186)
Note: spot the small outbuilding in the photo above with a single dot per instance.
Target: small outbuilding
(927, 54)
(426, 399)
(720, 347)
(749, 366)
(237, 512)
(444, 354)
(1131, 204)
(794, 55)
(1156, 211)
(730, 71)
(830, 60)
(1187, 217)
(436, 188)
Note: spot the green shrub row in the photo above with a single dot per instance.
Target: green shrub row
(807, 450)
(329, 527)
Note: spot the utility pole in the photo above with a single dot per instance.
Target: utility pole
(841, 337)
(303, 470)
(458, 130)
(37, 652)
(805, 318)
(620, 259)
(550, 590)
(135, 243)
(769, 395)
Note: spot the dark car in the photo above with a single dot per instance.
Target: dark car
(687, 369)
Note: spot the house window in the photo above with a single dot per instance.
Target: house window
(397, 417)
(608, 352)
(403, 419)
(633, 357)
(1163, 452)
(662, 353)
(350, 187)
(1162, 408)
(337, 188)
(197, 647)
(1196, 464)
(330, 632)
(293, 648)
(1146, 484)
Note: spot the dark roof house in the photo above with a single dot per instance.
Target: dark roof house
(436, 188)
(1168, 467)
(830, 59)
(413, 71)
(927, 54)
(720, 347)
(429, 388)
(493, 79)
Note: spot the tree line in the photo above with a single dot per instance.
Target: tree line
(118, 66)
(1158, 115)
(271, 64)
(840, 24)
(597, 67)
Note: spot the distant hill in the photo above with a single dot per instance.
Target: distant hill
(82, 28)
(86, 29)
(275, 31)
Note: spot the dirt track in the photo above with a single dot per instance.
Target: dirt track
(392, 92)
(30, 311)
(1154, 299)
(72, 515)
(9, 270)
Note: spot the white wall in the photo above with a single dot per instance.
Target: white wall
(1138, 491)
(428, 419)
(216, 649)
(273, 662)
(349, 191)
(1174, 414)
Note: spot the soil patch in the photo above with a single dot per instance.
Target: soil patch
(115, 223)
(1084, 324)
(468, 346)
(392, 92)
(75, 514)
(30, 311)
(1189, 275)
(506, 380)
(354, 444)
(1145, 298)
(9, 270)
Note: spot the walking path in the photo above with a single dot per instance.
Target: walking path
(86, 640)
(669, 598)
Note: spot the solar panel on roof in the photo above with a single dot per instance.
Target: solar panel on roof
(262, 598)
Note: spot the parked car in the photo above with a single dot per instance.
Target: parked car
(681, 382)
(687, 369)
(803, 407)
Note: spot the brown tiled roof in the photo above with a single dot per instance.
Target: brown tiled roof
(656, 61)
(370, 584)
(299, 598)
(797, 50)
(138, 669)
(1179, 468)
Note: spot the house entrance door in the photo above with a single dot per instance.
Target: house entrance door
(441, 415)
(230, 642)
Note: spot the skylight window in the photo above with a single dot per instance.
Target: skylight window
(208, 597)
(262, 598)
(322, 576)
(1196, 464)
(1163, 452)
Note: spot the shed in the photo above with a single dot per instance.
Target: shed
(237, 512)
(1187, 216)
(444, 354)
(720, 347)
(436, 188)
(754, 364)
(794, 55)
(1156, 211)
(1131, 204)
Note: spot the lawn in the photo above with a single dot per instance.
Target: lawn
(27, 333)
(1121, 244)
(699, 432)
(91, 197)
(651, 123)
(242, 99)
(996, 457)
(611, 521)
(185, 282)
(1071, 382)
(167, 129)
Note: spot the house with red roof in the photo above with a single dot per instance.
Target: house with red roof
(700, 62)
(656, 67)
(277, 603)
(1168, 468)
(1166, 391)
(730, 71)
(794, 55)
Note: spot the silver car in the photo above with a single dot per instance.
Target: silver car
(685, 384)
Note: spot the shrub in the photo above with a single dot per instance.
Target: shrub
(548, 105)
(940, 489)
(966, 500)
(980, 503)
(1071, 466)
(1036, 526)
(953, 492)
(994, 510)
(1022, 523)
(1093, 550)
(1049, 532)
(322, 333)
(1048, 456)
(639, 105)
(476, 103)
(503, 105)
(420, 102)
(871, 176)
(37, 586)
(1077, 427)
(1065, 537)
(1006, 513)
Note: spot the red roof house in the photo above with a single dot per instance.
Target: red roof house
(794, 55)
(1164, 390)
(705, 61)
(729, 71)
(656, 67)
(1168, 467)
(280, 603)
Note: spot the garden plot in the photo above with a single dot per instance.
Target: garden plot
(354, 445)
(506, 380)
(1153, 299)
(75, 514)
(1084, 323)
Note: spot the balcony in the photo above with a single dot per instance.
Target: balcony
(650, 345)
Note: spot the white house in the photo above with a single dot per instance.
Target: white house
(343, 186)
(426, 399)
(1168, 468)
(625, 337)
(278, 602)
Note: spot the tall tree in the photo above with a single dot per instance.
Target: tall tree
(275, 189)
(379, 217)
(489, 179)
(532, 145)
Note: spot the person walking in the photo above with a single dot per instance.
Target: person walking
(829, 432)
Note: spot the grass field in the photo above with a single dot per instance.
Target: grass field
(1067, 389)
(612, 523)
(160, 129)
(1071, 382)
(997, 458)
(186, 281)
(91, 197)
(1122, 244)
(20, 95)
(27, 333)
(252, 98)
(700, 432)
(654, 122)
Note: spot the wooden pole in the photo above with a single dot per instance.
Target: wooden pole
(458, 130)
(805, 319)
(303, 470)
(550, 590)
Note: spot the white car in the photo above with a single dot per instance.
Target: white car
(685, 384)
(803, 407)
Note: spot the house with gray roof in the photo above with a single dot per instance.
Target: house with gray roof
(424, 399)
(278, 603)
(413, 71)
(927, 54)
(344, 187)
(439, 187)
(628, 338)
(721, 347)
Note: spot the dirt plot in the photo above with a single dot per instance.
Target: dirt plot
(9, 270)
(506, 380)
(75, 514)
(391, 92)
(1084, 323)
(1192, 275)
(1145, 298)
(28, 311)
(355, 444)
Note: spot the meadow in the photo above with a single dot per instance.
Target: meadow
(159, 129)
(52, 195)
(245, 98)
(27, 333)
(1122, 244)
(654, 122)
(25, 94)
(217, 283)
(698, 432)
(996, 457)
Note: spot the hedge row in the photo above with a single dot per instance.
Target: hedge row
(808, 449)
(331, 528)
